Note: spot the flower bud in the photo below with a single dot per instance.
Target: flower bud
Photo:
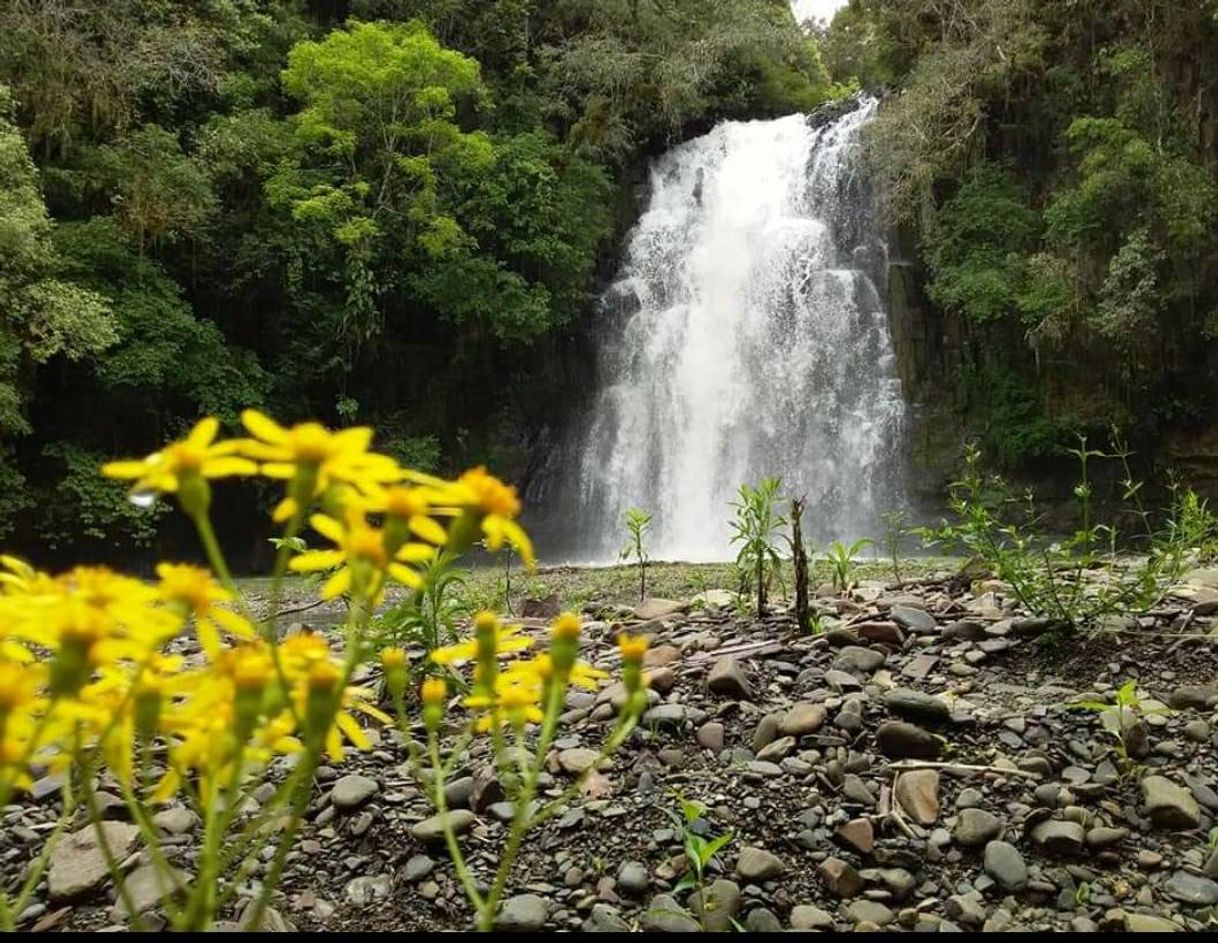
(251, 673)
(434, 695)
(393, 661)
(632, 648)
(323, 690)
(564, 644)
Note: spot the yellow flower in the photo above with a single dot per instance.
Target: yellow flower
(434, 691)
(116, 707)
(492, 503)
(188, 460)
(393, 658)
(433, 694)
(505, 639)
(632, 647)
(19, 686)
(19, 578)
(194, 590)
(359, 547)
(393, 662)
(410, 506)
(22, 703)
(567, 626)
(499, 506)
(517, 705)
(312, 458)
(542, 667)
(89, 616)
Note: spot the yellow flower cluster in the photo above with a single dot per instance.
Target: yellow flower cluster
(85, 662)
(84, 668)
(416, 513)
(517, 692)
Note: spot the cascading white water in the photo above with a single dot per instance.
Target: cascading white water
(751, 340)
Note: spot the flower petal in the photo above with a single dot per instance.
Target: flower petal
(405, 575)
(355, 733)
(229, 465)
(428, 529)
(337, 584)
(355, 439)
(204, 432)
(127, 469)
(263, 427)
(416, 553)
(316, 560)
(284, 510)
(328, 527)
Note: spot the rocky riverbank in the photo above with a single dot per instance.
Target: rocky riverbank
(917, 765)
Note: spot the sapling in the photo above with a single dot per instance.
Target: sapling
(699, 850)
(637, 523)
(757, 526)
(841, 561)
(895, 527)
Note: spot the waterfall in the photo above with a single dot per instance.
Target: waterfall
(746, 336)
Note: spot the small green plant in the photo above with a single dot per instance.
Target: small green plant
(637, 523)
(1088, 577)
(742, 605)
(292, 544)
(841, 562)
(1125, 720)
(757, 526)
(428, 617)
(507, 578)
(896, 526)
(699, 850)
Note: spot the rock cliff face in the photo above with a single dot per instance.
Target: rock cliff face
(930, 346)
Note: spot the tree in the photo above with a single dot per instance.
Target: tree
(42, 315)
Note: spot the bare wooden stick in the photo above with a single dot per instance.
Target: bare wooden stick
(907, 765)
(888, 796)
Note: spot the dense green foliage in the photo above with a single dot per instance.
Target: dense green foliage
(1082, 580)
(1057, 163)
(383, 211)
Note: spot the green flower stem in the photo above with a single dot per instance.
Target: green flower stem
(152, 838)
(287, 838)
(522, 813)
(201, 909)
(44, 857)
(357, 622)
(215, 557)
(450, 837)
(626, 723)
(282, 557)
(103, 843)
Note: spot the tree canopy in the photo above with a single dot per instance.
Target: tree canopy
(388, 211)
